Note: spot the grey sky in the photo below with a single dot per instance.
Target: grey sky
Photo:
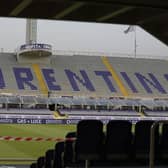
(81, 37)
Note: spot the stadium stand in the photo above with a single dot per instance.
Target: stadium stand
(86, 76)
(82, 107)
(86, 84)
(92, 87)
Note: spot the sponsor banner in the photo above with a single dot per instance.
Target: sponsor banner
(34, 121)
(70, 121)
(41, 121)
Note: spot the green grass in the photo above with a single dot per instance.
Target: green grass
(23, 150)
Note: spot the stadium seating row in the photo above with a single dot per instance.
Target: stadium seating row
(122, 144)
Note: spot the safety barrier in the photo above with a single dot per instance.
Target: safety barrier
(55, 139)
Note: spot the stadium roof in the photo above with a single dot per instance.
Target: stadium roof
(152, 15)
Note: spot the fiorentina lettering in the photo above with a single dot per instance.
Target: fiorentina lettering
(2, 82)
(136, 82)
(106, 77)
(129, 82)
(146, 83)
(50, 79)
(24, 77)
(85, 81)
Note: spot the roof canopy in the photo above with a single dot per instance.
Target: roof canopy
(150, 15)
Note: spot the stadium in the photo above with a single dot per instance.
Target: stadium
(76, 110)
(60, 92)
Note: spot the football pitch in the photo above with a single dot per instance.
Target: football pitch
(13, 151)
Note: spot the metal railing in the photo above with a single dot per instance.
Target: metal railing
(109, 54)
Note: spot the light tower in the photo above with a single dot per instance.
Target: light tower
(31, 31)
(32, 50)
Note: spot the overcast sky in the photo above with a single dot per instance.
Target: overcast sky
(79, 36)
